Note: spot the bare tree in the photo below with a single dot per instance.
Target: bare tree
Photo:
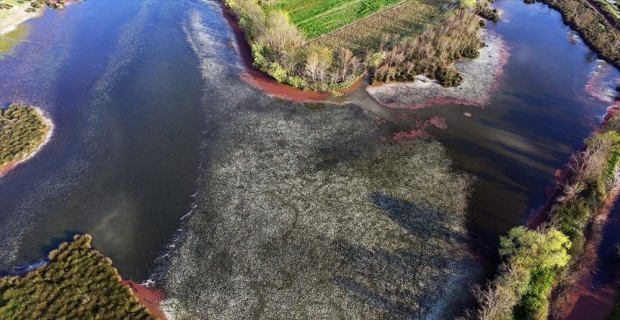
(345, 59)
(312, 65)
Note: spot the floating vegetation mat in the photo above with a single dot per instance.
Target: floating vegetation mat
(77, 283)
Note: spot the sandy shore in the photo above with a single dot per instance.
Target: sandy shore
(48, 136)
(481, 78)
(11, 18)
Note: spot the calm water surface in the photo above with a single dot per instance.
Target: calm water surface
(125, 90)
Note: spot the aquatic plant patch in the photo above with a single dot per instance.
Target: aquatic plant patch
(77, 283)
(22, 130)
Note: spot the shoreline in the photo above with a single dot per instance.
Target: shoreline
(148, 297)
(585, 29)
(17, 17)
(468, 67)
(258, 79)
(8, 167)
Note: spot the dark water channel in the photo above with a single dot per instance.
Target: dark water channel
(126, 94)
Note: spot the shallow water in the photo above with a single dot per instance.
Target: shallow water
(137, 110)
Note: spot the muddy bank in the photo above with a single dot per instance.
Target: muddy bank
(480, 76)
(258, 79)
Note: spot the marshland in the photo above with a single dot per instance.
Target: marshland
(241, 205)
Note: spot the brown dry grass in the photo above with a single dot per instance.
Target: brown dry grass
(407, 19)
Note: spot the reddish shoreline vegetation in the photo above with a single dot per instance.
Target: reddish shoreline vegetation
(77, 282)
(24, 131)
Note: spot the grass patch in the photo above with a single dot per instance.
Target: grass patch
(22, 130)
(387, 27)
(318, 17)
(78, 283)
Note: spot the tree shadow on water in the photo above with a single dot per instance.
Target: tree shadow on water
(419, 220)
(411, 283)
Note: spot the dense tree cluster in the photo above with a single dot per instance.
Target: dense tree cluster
(22, 130)
(433, 50)
(78, 283)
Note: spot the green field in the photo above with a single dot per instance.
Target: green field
(318, 17)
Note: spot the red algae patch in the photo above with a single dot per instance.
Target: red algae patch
(406, 136)
(593, 305)
(437, 122)
(481, 78)
(148, 297)
(274, 89)
(420, 131)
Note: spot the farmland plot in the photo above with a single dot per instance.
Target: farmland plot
(318, 17)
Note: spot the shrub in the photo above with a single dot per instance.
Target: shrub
(535, 304)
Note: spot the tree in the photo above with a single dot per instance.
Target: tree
(532, 249)
(325, 61)
(345, 60)
(312, 65)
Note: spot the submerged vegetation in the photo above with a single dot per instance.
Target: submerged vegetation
(282, 39)
(22, 130)
(542, 267)
(77, 283)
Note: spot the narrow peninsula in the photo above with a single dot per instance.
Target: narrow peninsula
(329, 45)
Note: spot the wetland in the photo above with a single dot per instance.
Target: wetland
(242, 205)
